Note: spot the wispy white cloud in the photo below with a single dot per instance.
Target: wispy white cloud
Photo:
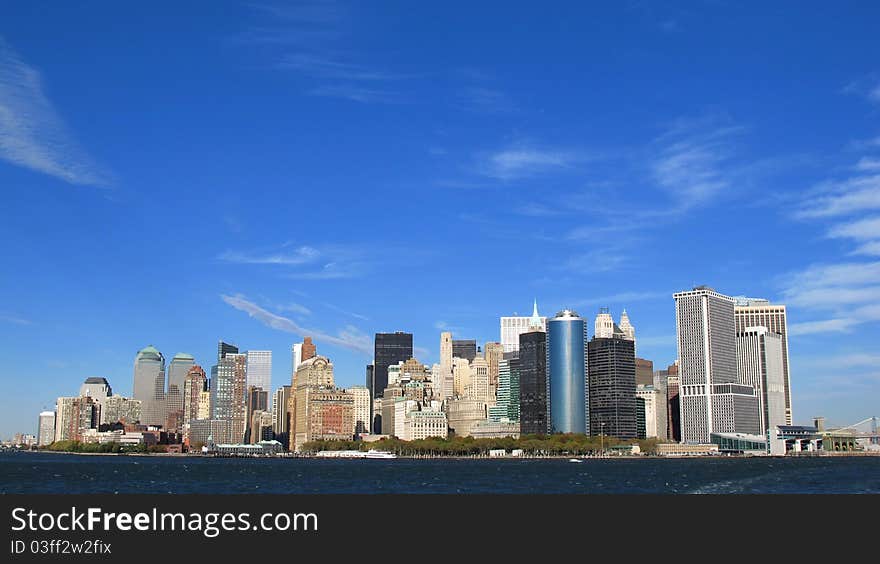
(822, 327)
(596, 260)
(356, 93)
(322, 66)
(294, 307)
(850, 291)
(14, 319)
(693, 161)
(32, 133)
(297, 256)
(486, 100)
(860, 230)
(868, 163)
(349, 337)
(522, 162)
(830, 199)
(330, 271)
(308, 263)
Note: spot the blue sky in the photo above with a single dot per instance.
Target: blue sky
(177, 174)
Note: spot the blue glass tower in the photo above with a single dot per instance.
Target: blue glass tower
(567, 367)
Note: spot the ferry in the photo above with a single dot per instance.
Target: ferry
(355, 454)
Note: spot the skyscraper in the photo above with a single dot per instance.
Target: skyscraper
(96, 387)
(280, 414)
(223, 348)
(390, 348)
(513, 326)
(259, 369)
(612, 386)
(757, 312)
(46, 432)
(493, 352)
(228, 391)
(295, 358)
(506, 406)
(759, 361)
(73, 415)
(446, 381)
(149, 385)
(644, 371)
(627, 327)
(464, 348)
(193, 385)
(178, 368)
(567, 371)
(711, 399)
(309, 350)
(533, 383)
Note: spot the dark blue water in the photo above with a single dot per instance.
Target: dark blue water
(61, 473)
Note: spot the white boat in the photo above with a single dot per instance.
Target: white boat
(380, 454)
(575, 460)
(355, 454)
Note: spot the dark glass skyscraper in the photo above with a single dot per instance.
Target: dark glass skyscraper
(567, 369)
(612, 387)
(224, 348)
(532, 365)
(464, 348)
(389, 348)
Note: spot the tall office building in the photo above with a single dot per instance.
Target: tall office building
(628, 330)
(644, 371)
(461, 376)
(759, 361)
(612, 386)
(149, 385)
(464, 348)
(295, 358)
(652, 403)
(493, 352)
(478, 387)
(46, 428)
(73, 415)
(603, 325)
(309, 349)
(281, 424)
(228, 396)
(756, 312)
(224, 348)
(97, 388)
(506, 406)
(259, 369)
(118, 409)
(533, 383)
(178, 368)
(257, 401)
(445, 382)
(711, 399)
(195, 382)
(390, 348)
(362, 415)
(512, 327)
(567, 371)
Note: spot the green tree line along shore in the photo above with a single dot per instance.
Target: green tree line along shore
(112, 448)
(531, 445)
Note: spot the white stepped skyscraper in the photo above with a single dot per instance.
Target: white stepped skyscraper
(758, 312)
(514, 326)
(759, 364)
(711, 398)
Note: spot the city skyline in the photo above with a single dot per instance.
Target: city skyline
(275, 171)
